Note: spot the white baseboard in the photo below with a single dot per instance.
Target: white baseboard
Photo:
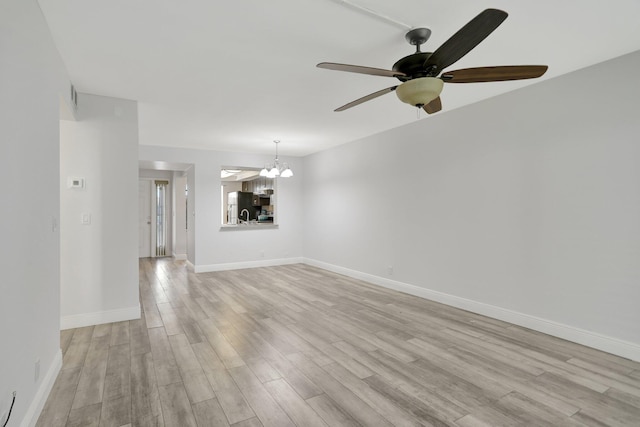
(611, 345)
(33, 412)
(98, 318)
(246, 264)
(179, 257)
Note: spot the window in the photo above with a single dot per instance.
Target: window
(247, 198)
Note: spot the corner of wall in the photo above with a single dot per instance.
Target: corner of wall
(246, 264)
(100, 317)
(40, 398)
(605, 343)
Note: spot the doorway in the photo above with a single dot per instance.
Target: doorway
(163, 209)
(155, 213)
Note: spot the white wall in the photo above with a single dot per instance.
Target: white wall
(525, 206)
(32, 81)
(209, 247)
(98, 265)
(179, 250)
(191, 215)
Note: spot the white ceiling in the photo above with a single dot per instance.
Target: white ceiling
(235, 75)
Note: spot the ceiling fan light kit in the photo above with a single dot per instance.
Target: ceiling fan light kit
(419, 92)
(418, 73)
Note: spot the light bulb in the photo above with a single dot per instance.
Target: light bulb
(286, 173)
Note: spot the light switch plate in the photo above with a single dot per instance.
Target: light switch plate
(85, 219)
(75, 182)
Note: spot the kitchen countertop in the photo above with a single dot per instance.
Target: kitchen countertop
(250, 226)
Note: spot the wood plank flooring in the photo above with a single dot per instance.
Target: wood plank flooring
(299, 346)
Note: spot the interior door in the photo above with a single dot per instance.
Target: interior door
(144, 218)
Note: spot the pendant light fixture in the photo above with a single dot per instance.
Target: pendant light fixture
(276, 168)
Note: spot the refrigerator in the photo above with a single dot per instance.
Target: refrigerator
(240, 206)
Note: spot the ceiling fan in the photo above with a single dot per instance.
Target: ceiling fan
(420, 87)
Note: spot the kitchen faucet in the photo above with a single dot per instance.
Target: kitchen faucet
(243, 211)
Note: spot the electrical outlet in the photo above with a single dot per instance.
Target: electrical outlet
(390, 270)
(262, 254)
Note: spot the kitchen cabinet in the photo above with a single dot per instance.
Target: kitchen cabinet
(258, 186)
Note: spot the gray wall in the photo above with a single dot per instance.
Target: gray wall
(98, 264)
(179, 249)
(32, 82)
(527, 203)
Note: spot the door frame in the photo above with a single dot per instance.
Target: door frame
(151, 252)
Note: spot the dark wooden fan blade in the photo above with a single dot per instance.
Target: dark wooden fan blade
(494, 74)
(466, 39)
(434, 106)
(359, 69)
(366, 98)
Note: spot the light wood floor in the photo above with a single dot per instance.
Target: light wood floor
(295, 345)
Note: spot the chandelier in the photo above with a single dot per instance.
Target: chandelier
(276, 168)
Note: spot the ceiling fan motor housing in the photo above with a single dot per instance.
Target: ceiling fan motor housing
(413, 66)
